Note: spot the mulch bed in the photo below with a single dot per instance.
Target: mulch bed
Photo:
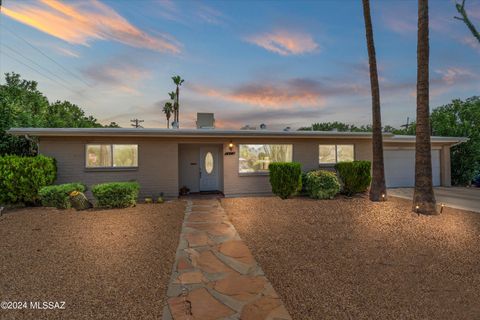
(109, 264)
(354, 259)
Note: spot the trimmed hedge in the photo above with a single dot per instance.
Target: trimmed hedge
(116, 194)
(355, 176)
(285, 178)
(58, 196)
(22, 177)
(322, 184)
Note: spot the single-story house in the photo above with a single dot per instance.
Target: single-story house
(234, 162)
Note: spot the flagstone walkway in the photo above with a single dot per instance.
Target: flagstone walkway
(214, 275)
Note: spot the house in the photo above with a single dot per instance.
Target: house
(234, 162)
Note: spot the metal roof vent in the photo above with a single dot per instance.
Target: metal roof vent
(287, 129)
(205, 121)
(263, 126)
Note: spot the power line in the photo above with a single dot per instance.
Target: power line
(32, 61)
(43, 75)
(46, 56)
(31, 68)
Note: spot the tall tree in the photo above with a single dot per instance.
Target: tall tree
(23, 105)
(173, 96)
(177, 80)
(423, 197)
(168, 109)
(461, 10)
(377, 188)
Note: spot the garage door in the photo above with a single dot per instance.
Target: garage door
(400, 168)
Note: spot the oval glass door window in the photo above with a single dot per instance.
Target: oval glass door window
(209, 162)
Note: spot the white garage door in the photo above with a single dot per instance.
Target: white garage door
(400, 168)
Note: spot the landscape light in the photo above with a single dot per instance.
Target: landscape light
(441, 208)
(383, 196)
(416, 208)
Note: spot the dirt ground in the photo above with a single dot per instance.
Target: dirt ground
(354, 259)
(105, 264)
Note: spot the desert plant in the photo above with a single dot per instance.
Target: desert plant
(58, 196)
(322, 184)
(79, 201)
(22, 177)
(285, 178)
(116, 194)
(354, 175)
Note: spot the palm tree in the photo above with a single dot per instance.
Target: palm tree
(377, 189)
(168, 109)
(177, 80)
(423, 197)
(173, 98)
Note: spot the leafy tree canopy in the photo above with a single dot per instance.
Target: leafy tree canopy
(345, 127)
(23, 105)
(456, 119)
(461, 119)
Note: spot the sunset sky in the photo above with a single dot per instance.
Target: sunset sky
(283, 63)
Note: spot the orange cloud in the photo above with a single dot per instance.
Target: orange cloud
(83, 21)
(273, 95)
(453, 75)
(285, 42)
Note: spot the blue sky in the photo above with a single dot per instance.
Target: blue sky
(283, 63)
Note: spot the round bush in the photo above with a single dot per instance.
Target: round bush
(116, 194)
(322, 184)
(355, 176)
(285, 178)
(22, 177)
(58, 196)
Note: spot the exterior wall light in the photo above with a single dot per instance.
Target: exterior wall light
(230, 146)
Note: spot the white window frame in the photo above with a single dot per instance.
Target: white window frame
(111, 155)
(258, 173)
(336, 152)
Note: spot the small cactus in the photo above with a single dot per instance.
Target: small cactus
(148, 200)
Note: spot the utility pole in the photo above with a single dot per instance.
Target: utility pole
(136, 123)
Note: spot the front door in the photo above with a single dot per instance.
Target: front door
(209, 168)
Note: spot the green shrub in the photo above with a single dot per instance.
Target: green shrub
(116, 194)
(355, 176)
(58, 195)
(322, 184)
(22, 177)
(285, 178)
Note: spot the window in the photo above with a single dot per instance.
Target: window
(331, 153)
(255, 158)
(209, 162)
(111, 155)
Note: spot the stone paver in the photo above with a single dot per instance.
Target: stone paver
(215, 276)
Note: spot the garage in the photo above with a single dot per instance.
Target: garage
(400, 167)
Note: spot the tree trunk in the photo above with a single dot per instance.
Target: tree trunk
(177, 113)
(377, 189)
(168, 122)
(423, 197)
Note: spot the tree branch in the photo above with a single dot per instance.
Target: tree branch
(461, 10)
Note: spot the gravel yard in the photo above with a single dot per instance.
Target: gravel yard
(354, 259)
(109, 264)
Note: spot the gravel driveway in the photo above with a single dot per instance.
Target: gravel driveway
(109, 264)
(354, 259)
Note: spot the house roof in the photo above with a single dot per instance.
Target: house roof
(199, 133)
